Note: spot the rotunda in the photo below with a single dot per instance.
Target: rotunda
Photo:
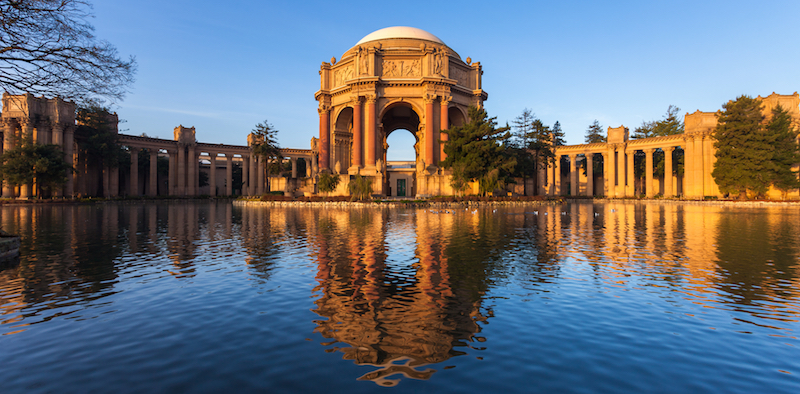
(394, 78)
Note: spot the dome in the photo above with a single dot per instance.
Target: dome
(399, 32)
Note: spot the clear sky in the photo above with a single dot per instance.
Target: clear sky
(225, 66)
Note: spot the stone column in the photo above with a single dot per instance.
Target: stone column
(114, 181)
(542, 176)
(134, 171)
(430, 133)
(245, 175)
(191, 181)
(260, 175)
(212, 174)
(609, 174)
(668, 171)
(589, 174)
(171, 178)
(228, 174)
(620, 171)
(648, 173)
(25, 191)
(253, 187)
(710, 187)
(630, 180)
(369, 154)
(444, 124)
(152, 191)
(182, 170)
(69, 144)
(688, 167)
(358, 133)
(106, 182)
(698, 166)
(57, 135)
(573, 174)
(294, 167)
(557, 176)
(324, 140)
(9, 140)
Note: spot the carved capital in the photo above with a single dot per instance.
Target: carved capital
(446, 100)
(668, 149)
(323, 109)
(648, 151)
(371, 98)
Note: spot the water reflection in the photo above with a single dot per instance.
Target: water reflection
(408, 292)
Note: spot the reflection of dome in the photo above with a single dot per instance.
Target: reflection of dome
(399, 32)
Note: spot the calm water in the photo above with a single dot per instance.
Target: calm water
(203, 297)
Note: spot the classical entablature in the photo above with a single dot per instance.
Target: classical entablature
(394, 78)
(618, 180)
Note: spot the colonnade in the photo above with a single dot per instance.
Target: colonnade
(618, 167)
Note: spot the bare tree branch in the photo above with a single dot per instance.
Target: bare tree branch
(48, 48)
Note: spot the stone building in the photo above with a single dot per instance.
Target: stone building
(392, 79)
(617, 155)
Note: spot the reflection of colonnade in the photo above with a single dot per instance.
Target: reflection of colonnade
(617, 157)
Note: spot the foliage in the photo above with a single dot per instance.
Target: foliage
(594, 133)
(97, 137)
(476, 148)
(202, 179)
(522, 126)
(557, 135)
(264, 142)
(47, 47)
(29, 163)
(238, 177)
(783, 138)
(670, 125)
(360, 188)
(743, 149)
(327, 182)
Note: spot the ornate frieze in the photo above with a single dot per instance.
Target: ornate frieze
(343, 74)
(401, 68)
(460, 75)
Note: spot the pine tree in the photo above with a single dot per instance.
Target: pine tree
(522, 128)
(557, 136)
(475, 152)
(264, 140)
(671, 124)
(743, 149)
(594, 133)
(785, 150)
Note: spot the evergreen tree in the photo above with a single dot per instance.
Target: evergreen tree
(475, 152)
(557, 135)
(785, 150)
(670, 125)
(594, 133)
(743, 149)
(522, 128)
(264, 140)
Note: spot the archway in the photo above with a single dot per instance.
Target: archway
(342, 140)
(400, 149)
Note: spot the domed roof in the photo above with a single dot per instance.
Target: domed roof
(399, 32)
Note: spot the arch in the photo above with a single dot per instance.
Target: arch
(342, 139)
(456, 116)
(399, 101)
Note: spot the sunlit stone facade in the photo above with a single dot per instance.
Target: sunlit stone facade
(617, 155)
(394, 78)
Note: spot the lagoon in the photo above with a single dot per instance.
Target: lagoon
(205, 296)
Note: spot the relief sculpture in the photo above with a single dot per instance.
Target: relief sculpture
(459, 75)
(401, 68)
(343, 74)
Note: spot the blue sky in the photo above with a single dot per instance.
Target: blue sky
(225, 66)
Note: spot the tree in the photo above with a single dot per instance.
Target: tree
(594, 133)
(522, 128)
(47, 47)
(327, 182)
(96, 135)
(670, 125)
(743, 149)
(360, 187)
(30, 163)
(264, 141)
(783, 137)
(557, 136)
(475, 150)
